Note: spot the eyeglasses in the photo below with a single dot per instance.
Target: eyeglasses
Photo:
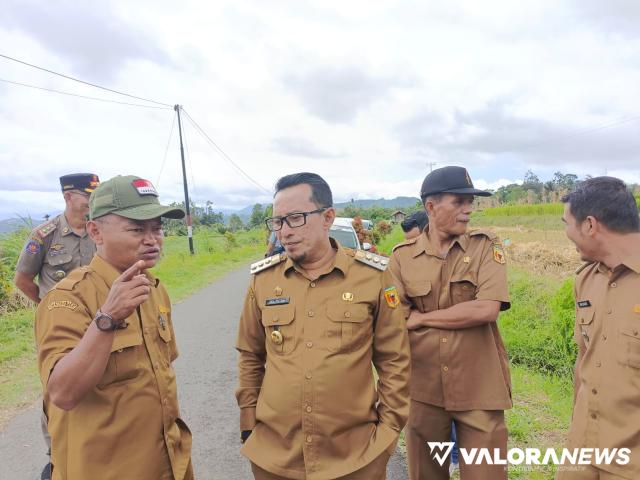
(294, 220)
(78, 192)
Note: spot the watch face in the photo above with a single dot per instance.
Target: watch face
(104, 323)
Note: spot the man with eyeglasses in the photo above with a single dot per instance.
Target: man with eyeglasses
(57, 247)
(314, 320)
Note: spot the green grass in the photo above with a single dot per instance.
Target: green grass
(525, 210)
(537, 222)
(393, 238)
(180, 272)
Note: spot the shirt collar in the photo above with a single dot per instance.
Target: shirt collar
(424, 245)
(632, 263)
(340, 262)
(109, 273)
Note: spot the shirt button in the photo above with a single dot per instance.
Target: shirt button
(614, 285)
(309, 409)
(598, 363)
(594, 416)
(594, 391)
(309, 439)
(347, 314)
(165, 401)
(308, 376)
(444, 340)
(609, 311)
(635, 333)
(604, 337)
(275, 319)
(445, 368)
(310, 313)
(309, 344)
(120, 350)
(313, 284)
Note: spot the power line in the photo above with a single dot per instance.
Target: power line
(222, 152)
(166, 150)
(188, 155)
(82, 81)
(80, 96)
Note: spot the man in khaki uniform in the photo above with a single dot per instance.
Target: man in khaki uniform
(105, 346)
(314, 321)
(601, 218)
(56, 247)
(456, 283)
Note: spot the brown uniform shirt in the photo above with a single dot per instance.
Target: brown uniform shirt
(464, 369)
(606, 413)
(311, 400)
(128, 425)
(52, 251)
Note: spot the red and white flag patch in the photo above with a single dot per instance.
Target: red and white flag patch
(144, 187)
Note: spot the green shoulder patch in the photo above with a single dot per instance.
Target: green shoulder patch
(267, 262)
(372, 259)
(46, 229)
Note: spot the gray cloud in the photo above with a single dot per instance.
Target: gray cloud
(338, 94)
(89, 34)
(496, 132)
(617, 17)
(301, 147)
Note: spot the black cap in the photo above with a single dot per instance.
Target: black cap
(449, 180)
(86, 182)
(417, 219)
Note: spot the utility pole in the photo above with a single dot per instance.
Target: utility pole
(184, 182)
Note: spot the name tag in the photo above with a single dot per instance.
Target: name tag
(584, 303)
(277, 301)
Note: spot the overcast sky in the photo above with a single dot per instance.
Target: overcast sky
(364, 93)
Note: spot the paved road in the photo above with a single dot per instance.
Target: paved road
(205, 329)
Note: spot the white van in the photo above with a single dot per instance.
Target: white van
(342, 230)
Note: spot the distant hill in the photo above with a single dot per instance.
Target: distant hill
(11, 224)
(398, 202)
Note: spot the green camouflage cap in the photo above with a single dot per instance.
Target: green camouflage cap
(130, 197)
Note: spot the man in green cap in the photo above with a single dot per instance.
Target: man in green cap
(105, 346)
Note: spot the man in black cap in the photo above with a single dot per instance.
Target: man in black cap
(58, 246)
(455, 281)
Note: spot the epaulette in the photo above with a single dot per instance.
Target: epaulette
(73, 278)
(482, 231)
(583, 266)
(411, 241)
(372, 259)
(267, 262)
(46, 228)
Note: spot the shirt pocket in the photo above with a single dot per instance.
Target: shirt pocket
(630, 343)
(280, 328)
(462, 289)
(584, 317)
(349, 326)
(421, 295)
(60, 262)
(124, 362)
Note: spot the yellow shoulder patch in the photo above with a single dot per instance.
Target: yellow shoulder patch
(267, 262)
(498, 253)
(392, 297)
(372, 259)
(62, 304)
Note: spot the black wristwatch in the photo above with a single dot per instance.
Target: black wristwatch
(106, 323)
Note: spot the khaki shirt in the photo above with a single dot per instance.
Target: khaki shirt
(606, 413)
(128, 425)
(311, 400)
(52, 251)
(464, 369)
